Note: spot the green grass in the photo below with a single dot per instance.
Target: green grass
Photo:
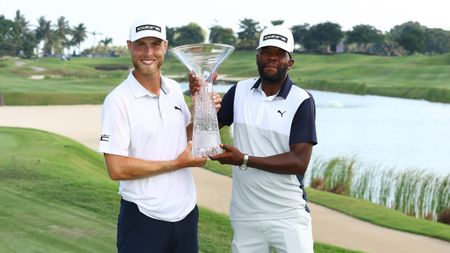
(57, 197)
(417, 76)
(65, 82)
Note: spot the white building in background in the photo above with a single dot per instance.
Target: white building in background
(340, 47)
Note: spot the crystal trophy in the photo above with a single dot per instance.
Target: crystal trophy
(204, 59)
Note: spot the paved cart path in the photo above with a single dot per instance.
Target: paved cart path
(82, 123)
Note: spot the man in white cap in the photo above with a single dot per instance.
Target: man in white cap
(274, 133)
(144, 140)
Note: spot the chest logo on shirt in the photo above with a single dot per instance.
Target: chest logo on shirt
(178, 108)
(104, 137)
(281, 113)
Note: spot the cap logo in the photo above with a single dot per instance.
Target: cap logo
(275, 37)
(148, 27)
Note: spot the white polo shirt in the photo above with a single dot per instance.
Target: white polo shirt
(137, 123)
(265, 126)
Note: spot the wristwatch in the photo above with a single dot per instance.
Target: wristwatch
(243, 166)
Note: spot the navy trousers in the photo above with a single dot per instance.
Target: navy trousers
(138, 233)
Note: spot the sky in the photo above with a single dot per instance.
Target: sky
(110, 18)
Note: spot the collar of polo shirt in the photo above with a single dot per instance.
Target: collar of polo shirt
(139, 91)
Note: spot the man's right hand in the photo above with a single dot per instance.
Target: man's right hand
(186, 159)
(196, 82)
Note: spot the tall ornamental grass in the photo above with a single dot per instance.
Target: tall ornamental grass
(414, 192)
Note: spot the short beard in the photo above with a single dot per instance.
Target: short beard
(279, 76)
(142, 69)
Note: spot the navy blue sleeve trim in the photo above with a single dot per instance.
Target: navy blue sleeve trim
(303, 128)
(225, 114)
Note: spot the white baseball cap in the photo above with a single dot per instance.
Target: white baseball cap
(277, 36)
(147, 27)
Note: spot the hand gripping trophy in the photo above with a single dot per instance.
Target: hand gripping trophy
(204, 59)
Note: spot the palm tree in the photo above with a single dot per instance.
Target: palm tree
(7, 37)
(24, 41)
(44, 33)
(21, 22)
(94, 34)
(277, 22)
(79, 34)
(106, 41)
(61, 32)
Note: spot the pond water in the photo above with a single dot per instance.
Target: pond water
(381, 131)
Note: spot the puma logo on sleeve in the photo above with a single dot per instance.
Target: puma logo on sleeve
(178, 108)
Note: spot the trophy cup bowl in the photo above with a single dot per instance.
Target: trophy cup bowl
(204, 59)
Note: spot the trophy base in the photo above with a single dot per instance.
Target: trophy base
(207, 151)
(206, 143)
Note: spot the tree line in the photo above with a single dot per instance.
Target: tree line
(407, 38)
(18, 39)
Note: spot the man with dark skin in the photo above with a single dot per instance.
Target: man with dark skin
(274, 133)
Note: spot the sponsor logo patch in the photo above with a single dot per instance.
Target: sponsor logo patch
(275, 37)
(148, 28)
(104, 137)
